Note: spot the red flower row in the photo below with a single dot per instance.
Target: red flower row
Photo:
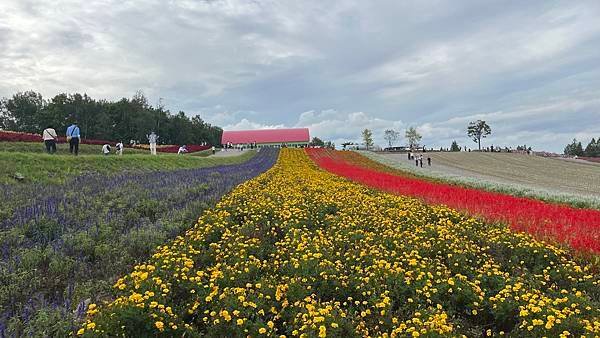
(579, 228)
(192, 148)
(12, 136)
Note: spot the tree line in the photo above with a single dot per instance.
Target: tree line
(123, 120)
(476, 130)
(575, 148)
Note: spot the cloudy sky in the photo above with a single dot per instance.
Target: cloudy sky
(529, 68)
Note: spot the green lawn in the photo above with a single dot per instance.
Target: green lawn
(62, 148)
(37, 166)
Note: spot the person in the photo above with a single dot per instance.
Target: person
(421, 160)
(409, 155)
(73, 136)
(106, 149)
(119, 148)
(429, 161)
(416, 161)
(182, 150)
(213, 149)
(49, 136)
(152, 138)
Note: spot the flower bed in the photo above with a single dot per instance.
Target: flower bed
(591, 159)
(71, 242)
(12, 136)
(301, 252)
(579, 228)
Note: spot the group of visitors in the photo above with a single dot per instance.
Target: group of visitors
(118, 149)
(50, 138)
(73, 137)
(418, 159)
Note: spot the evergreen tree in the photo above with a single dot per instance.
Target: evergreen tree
(571, 148)
(454, 146)
(593, 148)
(579, 149)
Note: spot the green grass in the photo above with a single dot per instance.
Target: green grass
(45, 168)
(62, 148)
(202, 153)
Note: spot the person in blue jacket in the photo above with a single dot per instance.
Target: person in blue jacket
(73, 137)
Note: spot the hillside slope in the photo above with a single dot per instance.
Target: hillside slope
(547, 178)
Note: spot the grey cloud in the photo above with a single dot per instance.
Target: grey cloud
(531, 68)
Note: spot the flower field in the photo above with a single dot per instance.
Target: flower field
(533, 176)
(65, 247)
(298, 251)
(578, 228)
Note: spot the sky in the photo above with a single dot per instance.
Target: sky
(531, 69)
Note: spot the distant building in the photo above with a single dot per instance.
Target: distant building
(397, 149)
(292, 138)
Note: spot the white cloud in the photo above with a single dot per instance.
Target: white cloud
(341, 127)
(245, 124)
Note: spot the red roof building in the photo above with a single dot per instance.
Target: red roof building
(295, 137)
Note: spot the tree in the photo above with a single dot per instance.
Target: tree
(413, 137)
(367, 136)
(478, 130)
(391, 136)
(317, 142)
(7, 122)
(454, 146)
(22, 112)
(579, 149)
(329, 145)
(122, 120)
(593, 148)
(574, 149)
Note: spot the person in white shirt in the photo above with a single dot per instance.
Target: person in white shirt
(49, 136)
(106, 149)
(119, 148)
(182, 150)
(152, 138)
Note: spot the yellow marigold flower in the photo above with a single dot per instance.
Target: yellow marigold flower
(159, 325)
(322, 331)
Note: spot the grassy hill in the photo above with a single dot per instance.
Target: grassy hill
(30, 161)
(62, 148)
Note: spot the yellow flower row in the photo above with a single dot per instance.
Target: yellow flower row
(300, 252)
